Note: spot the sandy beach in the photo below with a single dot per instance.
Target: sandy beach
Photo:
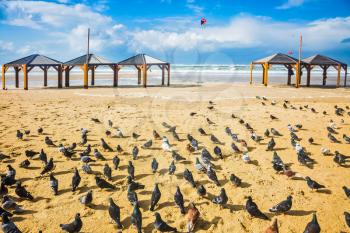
(62, 113)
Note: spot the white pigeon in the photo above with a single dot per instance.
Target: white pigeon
(246, 158)
(165, 144)
(84, 131)
(61, 148)
(290, 128)
(119, 133)
(325, 151)
(332, 124)
(298, 147)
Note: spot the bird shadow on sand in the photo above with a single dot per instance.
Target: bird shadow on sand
(145, 192)
(144, 204)
(205, 225)
(300, 212)
(254, 162)
(32, 168)
(165, 204)
(24, 212)
(140, 176)
(17, 218)
(324, 191)
(163, 171)
(233, 208)
(98, 207)
(63, 191)
(280, 149)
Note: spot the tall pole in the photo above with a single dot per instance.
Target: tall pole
(88, 47)
(299, 62)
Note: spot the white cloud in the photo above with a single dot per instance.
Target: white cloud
(291, 4)
(248, 32)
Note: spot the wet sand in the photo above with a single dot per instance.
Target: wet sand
(62, 113)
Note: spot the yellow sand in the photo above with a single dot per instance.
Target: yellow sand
(63, 112)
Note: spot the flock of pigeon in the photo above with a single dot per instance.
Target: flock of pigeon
(203, 164)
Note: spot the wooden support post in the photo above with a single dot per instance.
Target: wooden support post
(266, 74)
(297, 74)
(3, 77)
(290, 72)
(145, 75)
(93, 76)
(17, 77)
(168, 75)
(25, 77)
(324, 81)
(338, 78)
(251, 73)
(45, 76)
(66, 76)
(59, 71)
(138, 75)
(163, 75)
(263, 74)
(308, 78)
(86, 78)
(115, 75)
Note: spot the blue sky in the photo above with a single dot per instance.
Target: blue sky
(237, 31)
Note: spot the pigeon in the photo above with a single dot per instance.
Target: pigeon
(340, 159)
(83, 140)
(311, 140)
(135, 152)
(246, 158)
(299, 126)
(131, 170)
(193, 113)
(201, 190)
(86, 159)
(313, 110)
(132, 195)
(75, 180)
(119, 149)
(255, 137)
(271, 145)
(217, 152)
(347, 218)
(103, 184)
(147, 144)
(331, 128)
(165, 144)
(105, 146)
(221, 199)
(43, 156)
(110, 123)
(325, 151)
(172, 168)
(30, 153)
(214, 139)
(346, 138)
(7, 225)
(192, 217)
(210, 107)
(283, 206)
(156, 194)
(253, 209)
(108, 133)
(190, 148)
(332, 138)
(54, 184)
(235, 180)
(136, 218)
(40, 130)
(267, 133)
(162, 226)
(86, 168)
(3, 156)
(10, 205)
(116, 162)
(24, 164)
(273, 228)
(107, 172)
(22, 192)
(156, 135)
(304, 159)
(11, 172)
(235, 148)
(200, 167)
(49, 142)
(346, 191)
(201, 131)
(74, 226)
(179, 200)
(212, 176)
(114, 213)
(19, 135)
(3, 189)
(189, 178)
(154, 165)
(86, 199)
(134, 185)
(119, 133)
(176, 136)
(87, 151)
(176, 156)
(313, 184)
(313, 226)
(67, 153)
(272, 117)
(48, 167)
(135, 136)
(166, 125)
(275, 132)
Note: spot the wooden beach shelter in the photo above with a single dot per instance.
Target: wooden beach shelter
(26, 64)
(89, 63)
(324, 62)
(277, 59)
(142, 63)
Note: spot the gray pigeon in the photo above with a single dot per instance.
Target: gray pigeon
(74, 226)
(136, 218)
(114, 213)
(162, 226)
(135, 152)
(147, 144)
(179, 200)
(221, 199)
(283, 206)
(154, 165)
(75, 180)
(107, 171)
(156, 194)
(86, 199)
(54, 184)
(98, 155)
(188, 176)
(172, 168)
(116, 162)
(313, 226)
(7, 225)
